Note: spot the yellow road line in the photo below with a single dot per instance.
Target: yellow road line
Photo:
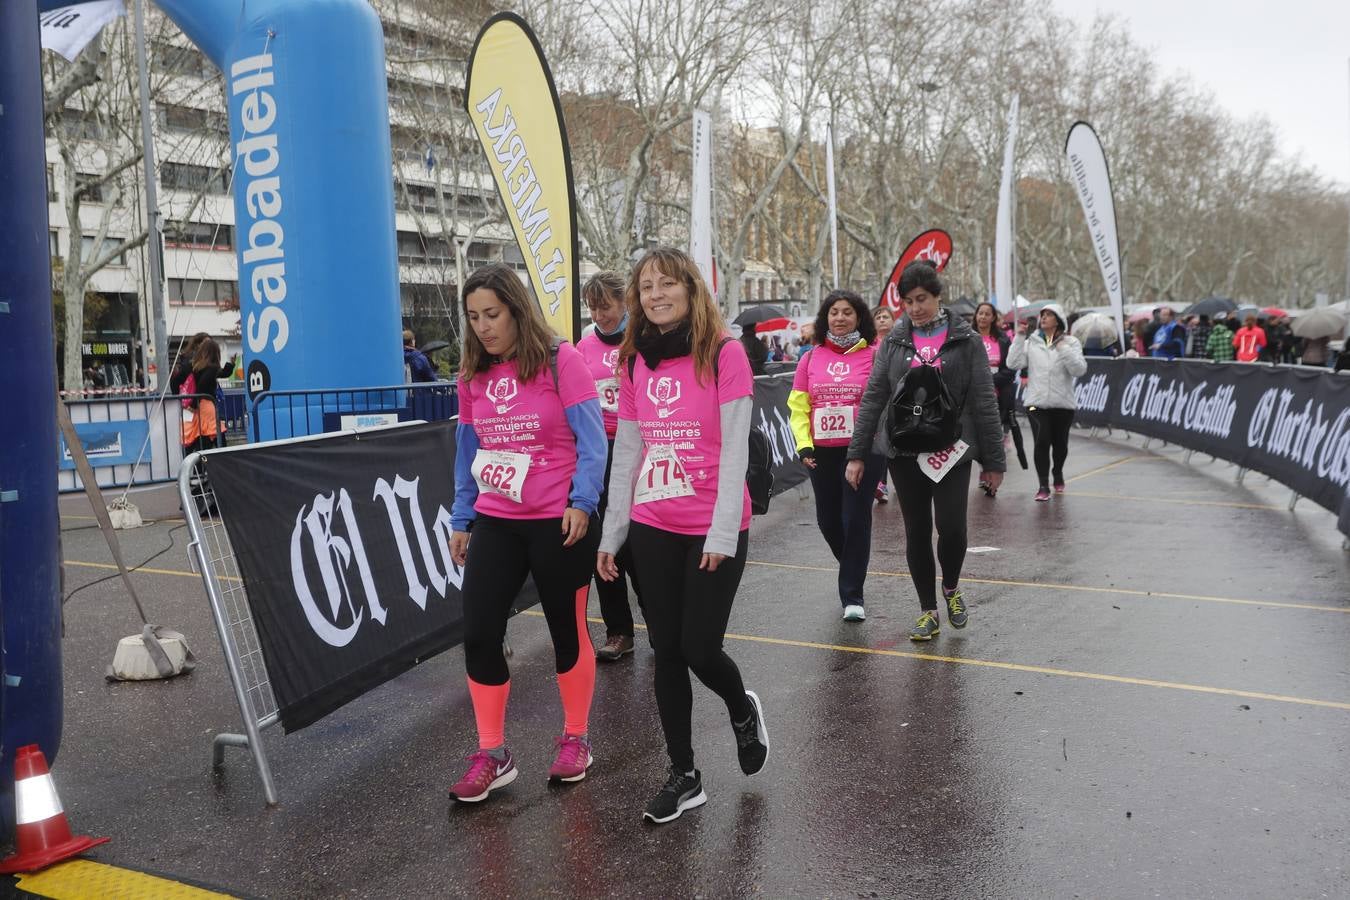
(147, 570)
(178, 519)
(1128, 592)
(1097, 471)
(1221, 503)
(1087, 589)
(1017, 667)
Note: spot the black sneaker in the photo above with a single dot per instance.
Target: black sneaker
(956, 608)
(752, 738)
(680, 792)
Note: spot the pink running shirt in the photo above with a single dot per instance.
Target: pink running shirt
(831, 378)
(601, 359)
(529, 418)
(672, 408)
(926, 349)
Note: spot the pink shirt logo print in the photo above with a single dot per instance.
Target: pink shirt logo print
(502, 391)
(611, 359)
(838, 370)
(667, 391)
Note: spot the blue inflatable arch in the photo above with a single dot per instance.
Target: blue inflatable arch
(318, 274)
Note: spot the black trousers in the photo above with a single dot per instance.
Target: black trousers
(923, 503)
(687, 611)
(501, 553)
(614, 608)
(845, 515)
(1051, 427)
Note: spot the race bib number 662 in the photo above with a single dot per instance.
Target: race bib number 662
(501, 472)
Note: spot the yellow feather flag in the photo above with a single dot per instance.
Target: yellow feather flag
(513, 104)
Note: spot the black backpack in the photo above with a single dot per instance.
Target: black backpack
(759, 472)
(923, 416)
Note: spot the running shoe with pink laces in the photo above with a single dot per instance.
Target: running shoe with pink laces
(486, 773)
(574, 758)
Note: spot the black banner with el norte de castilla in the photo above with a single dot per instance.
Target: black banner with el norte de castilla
(343, 547)
(1289, 422)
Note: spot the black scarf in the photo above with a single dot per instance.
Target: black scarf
(655, 346)
(611, 340)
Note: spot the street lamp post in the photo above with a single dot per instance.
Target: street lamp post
(927, 87)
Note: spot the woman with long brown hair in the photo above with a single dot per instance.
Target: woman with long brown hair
(529, 462)
(682, 448)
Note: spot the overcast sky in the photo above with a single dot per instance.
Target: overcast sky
(1289, 61)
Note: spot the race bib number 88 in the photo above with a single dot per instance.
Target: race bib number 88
(937, 465)
(501, 472)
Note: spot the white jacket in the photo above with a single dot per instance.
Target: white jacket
(1051, 368)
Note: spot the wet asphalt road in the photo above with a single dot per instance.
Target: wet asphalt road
(1152, 699)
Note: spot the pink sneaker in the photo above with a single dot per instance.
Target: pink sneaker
(485, 774)
(1042, 495)
(574, 758)
(1059, 488)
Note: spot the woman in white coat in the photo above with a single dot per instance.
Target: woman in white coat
(1053, 358)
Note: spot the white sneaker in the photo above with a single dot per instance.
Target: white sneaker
(854, 613)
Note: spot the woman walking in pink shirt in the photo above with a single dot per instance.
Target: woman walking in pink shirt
(682, 448)
(529, 462)
(826, 391)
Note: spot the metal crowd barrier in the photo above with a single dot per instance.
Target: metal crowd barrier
(129, 439)
(211, 556)
(286, 414)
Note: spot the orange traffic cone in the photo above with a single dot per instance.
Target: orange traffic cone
(41, 831)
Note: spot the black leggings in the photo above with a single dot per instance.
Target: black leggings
(614, 608)
(1051, 430)
(845, 515)
(501, 553)
(687, 611)
(922, 502)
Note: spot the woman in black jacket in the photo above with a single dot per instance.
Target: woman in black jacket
(933, 486)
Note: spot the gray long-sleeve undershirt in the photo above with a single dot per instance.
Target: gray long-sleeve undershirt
(727, 508)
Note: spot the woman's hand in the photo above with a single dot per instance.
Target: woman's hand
(605, 566)
(459, 547)
(853, 473)
(574, 525)
(711, 561)
(807, 456)
(994, 480)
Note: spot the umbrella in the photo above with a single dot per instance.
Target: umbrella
(1026, 311)
(433, 346)
(1210, 306)
(962, 307)
(1096, 327)
(1319, 323)
(758, 313)
(1274, 312)
(1242, 312)
(1141, 315)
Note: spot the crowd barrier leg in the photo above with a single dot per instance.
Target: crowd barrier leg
(1293, 498)
(1147, 441)
(1241, 474)
(1187, 458)
(212, 557)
